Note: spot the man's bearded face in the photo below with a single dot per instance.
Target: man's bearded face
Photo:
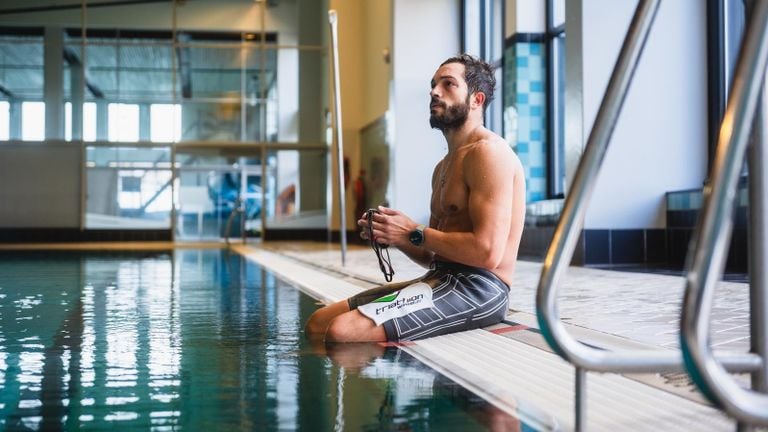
(448, 117)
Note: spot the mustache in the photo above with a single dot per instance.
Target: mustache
(436, 102)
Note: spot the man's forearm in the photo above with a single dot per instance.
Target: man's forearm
(464, 247)
(417, 254)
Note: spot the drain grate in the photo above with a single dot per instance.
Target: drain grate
(678, 380)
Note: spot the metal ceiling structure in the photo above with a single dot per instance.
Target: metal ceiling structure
(141, 69)
(136, 66)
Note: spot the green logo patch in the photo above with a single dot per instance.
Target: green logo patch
(387, 298)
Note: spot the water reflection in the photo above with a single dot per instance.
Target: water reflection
(200, 340)
(415, 397)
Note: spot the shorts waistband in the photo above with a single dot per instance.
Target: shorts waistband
(457, 267)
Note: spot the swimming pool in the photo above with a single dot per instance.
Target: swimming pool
(197, 340)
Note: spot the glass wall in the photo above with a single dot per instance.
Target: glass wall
(285, 209)
(219, 196)
(533, 112)
(175, 104)
(128, 187)
(21, 83)
(483, 36)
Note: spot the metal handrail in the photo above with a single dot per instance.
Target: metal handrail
(713, 230)
(572, 220)
(333, 21)
(572, 217)
(238, 209)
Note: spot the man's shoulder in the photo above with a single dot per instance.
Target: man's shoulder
(493, 151)
(488, 138)
(491, 144)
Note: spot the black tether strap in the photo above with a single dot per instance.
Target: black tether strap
(385, 264)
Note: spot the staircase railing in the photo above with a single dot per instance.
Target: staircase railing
(569, 227)
(709, 246)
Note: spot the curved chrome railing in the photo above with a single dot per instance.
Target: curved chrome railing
(711, 238)
(572, 220)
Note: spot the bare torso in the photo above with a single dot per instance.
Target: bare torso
(451, 193)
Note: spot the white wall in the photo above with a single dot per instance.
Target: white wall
(425, 33)
(660, 140)
(40, 185)
(525, 16)
(378, 73)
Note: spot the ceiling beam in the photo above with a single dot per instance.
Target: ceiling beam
(9, 94)
(72, 59)
(78, 5)
(184, 68)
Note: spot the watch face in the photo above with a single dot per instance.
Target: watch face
(416, 237)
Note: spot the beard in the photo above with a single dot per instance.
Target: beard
(453, 117)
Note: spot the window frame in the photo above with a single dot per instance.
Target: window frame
(485, 11)
(555, 119)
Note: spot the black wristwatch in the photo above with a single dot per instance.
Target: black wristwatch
(417, 236)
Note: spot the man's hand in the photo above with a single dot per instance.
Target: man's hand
(390, 226)
(363, 224)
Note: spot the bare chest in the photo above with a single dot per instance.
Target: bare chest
(450, 194)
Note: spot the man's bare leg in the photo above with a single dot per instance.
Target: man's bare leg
(354, 356)
(353, 326)
(318, 322)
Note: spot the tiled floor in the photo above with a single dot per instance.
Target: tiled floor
(642, 307)
(614, 310)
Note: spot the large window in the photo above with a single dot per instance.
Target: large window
(530, 69)
(123, 122)
(32, 121)
(165, 122)
(165, 89)
(483, 36)
(89, 121)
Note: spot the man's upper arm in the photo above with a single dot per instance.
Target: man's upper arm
(490, 174)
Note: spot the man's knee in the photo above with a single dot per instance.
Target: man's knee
(315, 324)
(319, 320)
(338, 330)
(353, 327)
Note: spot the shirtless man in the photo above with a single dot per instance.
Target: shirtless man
(471, 243)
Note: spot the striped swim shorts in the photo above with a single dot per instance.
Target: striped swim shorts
(464, 298)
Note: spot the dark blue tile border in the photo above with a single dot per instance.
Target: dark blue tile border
(660, 247)
(656, 246)
(597, 247)
(627, 246)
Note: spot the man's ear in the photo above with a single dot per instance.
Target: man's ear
(478, 99)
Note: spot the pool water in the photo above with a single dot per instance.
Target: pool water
(197, 340)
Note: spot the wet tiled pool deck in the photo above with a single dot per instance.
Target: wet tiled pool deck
(641, 307)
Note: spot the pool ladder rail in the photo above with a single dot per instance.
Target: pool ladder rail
(239, 209)
(707, 252)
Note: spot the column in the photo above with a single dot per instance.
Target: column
(144, 122)
(102, 118)
(15, 119)
(53, 86)
(77, 96)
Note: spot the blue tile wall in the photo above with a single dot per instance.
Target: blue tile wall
(525, 123)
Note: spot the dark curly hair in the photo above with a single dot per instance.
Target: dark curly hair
(478, 74)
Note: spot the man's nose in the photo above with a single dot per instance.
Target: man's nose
(434, 94)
